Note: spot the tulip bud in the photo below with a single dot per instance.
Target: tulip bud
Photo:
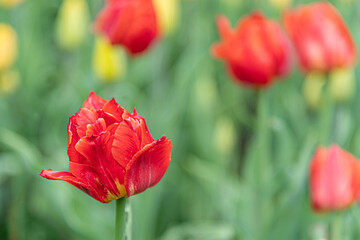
(256, 52)
(312, 89)
(109, 62)
(321, 37)
(9, 81)
(130, 23)
(167, 12)
(8, 46)
(334, 179)
(10, 3)
(232, 3)
(72, 23)
(280, 4)
(342, 84)
(224, 135)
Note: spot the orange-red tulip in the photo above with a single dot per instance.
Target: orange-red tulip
(334, 179)
(112, 153)
(321, 37)
(256, 51)
(131, 23)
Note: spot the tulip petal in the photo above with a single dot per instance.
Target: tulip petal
(83, 118)
(74, 156)
(113, 112)
(70, 178)
(224, 27)
(126, 144)
(94, 102)
(139, 126)
(65, 176)
(102, 170)
(148, 166)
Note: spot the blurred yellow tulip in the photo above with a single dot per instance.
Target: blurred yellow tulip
(280, 4)
(10, 3)
(205, 92)
(8, 46)
(224, 135)
(232, 3)
(313, 88)
(167, 12)
(72, 23)
(109, 62)
(9, 81)
(342, 84)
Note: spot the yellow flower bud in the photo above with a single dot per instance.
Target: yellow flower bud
(205, 93)
(72, 24)
(232, 3)
(342, 84)
(109, 62)
(10, 3)
(224, 135)
(167, 12)
(312, 90)
(9, 81)
(280, 4)
(8, 46)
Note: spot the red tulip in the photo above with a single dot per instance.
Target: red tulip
(256, 51)
(321, 38)
(131, 23)
(112, 153)
(334, 179)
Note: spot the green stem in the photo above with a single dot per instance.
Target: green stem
(261, 162)
(336, 228)
(326, 117)
(120, 218)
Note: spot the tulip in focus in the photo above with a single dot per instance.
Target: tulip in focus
(256, 51)
(168, 14)
(109, 62)
(131, 23)
(334, 179)
(10, 3)
(321, 38)
(112, 153)
(72, 23)
(8, 46)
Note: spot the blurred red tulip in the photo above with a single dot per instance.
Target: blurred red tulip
(256, 51)
(321, 37)
(334, 179)
(131, 23)
(112, 153)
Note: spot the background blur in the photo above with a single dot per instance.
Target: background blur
(182, 92)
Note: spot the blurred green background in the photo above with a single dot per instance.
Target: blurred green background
(210, 190)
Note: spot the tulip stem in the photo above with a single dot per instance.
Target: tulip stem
(326, 116)
(121, 218)
(336, 228)
(261, 161)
